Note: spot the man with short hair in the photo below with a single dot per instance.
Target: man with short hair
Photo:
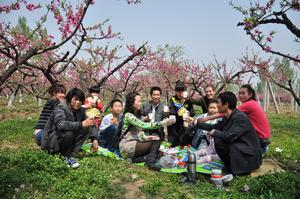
(154, 108)
(236, 141)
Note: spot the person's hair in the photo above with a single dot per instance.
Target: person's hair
(180, 86)
(250, 91)
(215, 101)
(155, 88)
(228, 97)
(75, 92)
(94, 89)
(56, 88)
(114, 101)
(210, 86)
(130, 98)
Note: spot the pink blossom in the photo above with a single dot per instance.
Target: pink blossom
(269, 39)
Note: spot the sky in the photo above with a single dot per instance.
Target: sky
(202, 28)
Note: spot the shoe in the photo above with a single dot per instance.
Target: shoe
(153, 166)
(72, 163)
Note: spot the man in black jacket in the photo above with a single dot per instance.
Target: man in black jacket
(68, 127)
(236, 141)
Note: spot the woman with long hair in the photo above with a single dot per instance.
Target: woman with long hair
(135, 144)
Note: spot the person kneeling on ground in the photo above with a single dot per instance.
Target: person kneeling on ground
(109, 125)
(236, 141)
(134, 143)
(68, 127)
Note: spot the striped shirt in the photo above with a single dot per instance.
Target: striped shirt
(46, 112)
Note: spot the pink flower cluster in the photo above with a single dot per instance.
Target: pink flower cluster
(16, 6)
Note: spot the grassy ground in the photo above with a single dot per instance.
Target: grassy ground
(27, 172)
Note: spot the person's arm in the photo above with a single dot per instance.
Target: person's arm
(134, 121)
(106, 122)
(192, 111)
(238, 128)
(244, 107)
(209, 127)
(172, 108)
(99, 105)
(62, 124)
(196, 101)
(210, 117)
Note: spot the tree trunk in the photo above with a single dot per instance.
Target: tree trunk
(265, 96)
(273, 97)
(11, 100)
(21, 97)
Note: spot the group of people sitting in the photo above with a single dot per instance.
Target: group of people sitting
(238, 136)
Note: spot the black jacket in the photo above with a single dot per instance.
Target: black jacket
(238, 133)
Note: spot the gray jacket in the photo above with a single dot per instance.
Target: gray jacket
(63, 119)
(147, 108)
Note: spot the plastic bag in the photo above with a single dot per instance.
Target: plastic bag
(167, 162)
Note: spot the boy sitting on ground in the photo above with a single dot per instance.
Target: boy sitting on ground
(109, 125)
(58, 93)
(206, 153)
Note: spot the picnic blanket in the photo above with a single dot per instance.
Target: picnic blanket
(200, 168)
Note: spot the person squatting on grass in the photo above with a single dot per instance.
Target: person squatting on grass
(58, 93)
(236, 141)
(255, 113)
(68, 127)
(134, 143)
(109, 125)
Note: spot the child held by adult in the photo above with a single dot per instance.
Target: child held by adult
(93, 104)
(109, 125)
(58, 93)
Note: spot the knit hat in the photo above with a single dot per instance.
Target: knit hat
(180, 86)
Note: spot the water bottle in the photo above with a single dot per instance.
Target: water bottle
(191, 167)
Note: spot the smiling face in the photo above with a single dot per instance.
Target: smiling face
(137, 103)
(60, 95)
(244, 95)
(75, 103)
(209, 92)
(155, 96)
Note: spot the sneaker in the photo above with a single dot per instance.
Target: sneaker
(72, 163)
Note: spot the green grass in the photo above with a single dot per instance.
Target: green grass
(28, 172)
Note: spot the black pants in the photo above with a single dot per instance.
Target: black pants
(179, 135)
(222, 149)
(70, 142)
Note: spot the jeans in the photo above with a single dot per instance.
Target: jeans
(106, 137)
(38, 137)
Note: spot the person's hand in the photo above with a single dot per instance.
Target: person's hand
(202, 120)
(211, 134)
(146, 119)
(88, 122)
(95, 145)
(188, 119)
(168, 121)
(114, 121)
